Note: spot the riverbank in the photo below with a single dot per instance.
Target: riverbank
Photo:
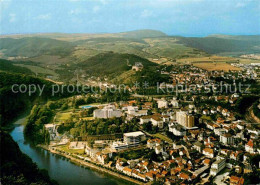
(92, 166)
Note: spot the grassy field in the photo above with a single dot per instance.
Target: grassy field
(213, 58)
(62, 116)
(163, 137)
(216, 66)
(66, 149)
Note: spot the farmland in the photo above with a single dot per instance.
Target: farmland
(216, 66)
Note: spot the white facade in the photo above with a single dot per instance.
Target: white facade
(217, 166)
(162, 104)
(107, 112)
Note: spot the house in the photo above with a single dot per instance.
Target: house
(208, 152)
(162, 103)
(119, 165)
(184, 176)
(219, 131)
(205, 112)
(175, 103)
(225, 112)
(127, 171)
(198, 146)
(234, 180)
(249, 147)
(217, 166)
(150, 175)
(156, 120)
(235, 155)
(206, 162)
(152, 143)
(158, 149)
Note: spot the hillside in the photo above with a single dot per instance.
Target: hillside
(18, 168)
(7, 66)
(111, 63)
(221, 44)
(34, 46)
(146, 33)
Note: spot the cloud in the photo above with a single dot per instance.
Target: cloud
(12, 17)
(96, 9)
(146, 13)
(43, 17)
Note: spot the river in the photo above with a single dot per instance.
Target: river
(60, 168)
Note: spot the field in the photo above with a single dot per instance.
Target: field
(216, 66)
(213, 58)
(66, 149)
(62, 116)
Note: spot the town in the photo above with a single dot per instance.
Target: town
(188, 137)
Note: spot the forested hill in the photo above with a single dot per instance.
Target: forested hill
(35, 46)
(112, 63)
(223, 43)
(12, 104)
(7, 66)
(18, 168)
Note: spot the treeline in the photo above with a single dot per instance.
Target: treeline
(18, 168)
(83, 129)
(12, 104)
(7, 66)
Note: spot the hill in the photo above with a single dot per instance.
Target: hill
(7, 66)
(111, 63)
(34, 46)
(146, 33)
(235, 45)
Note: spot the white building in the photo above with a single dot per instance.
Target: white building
(134, 137)
(107, 112)
(217, 166)
(177, 130)
(162, 103)
(175, 102)
(227, 139)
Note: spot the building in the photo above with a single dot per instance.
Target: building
(234, 180)
(185, 119)
(156, 120)
(198, 146)
(107, 112)
(138, 66)
(175, 102)
(217, 166)
(227, 139)
(208, 152)
(249, 147)
(177, 130)
(134, 137)
(162, 103)
(52, 129)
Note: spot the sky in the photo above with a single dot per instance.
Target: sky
(173, 17)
